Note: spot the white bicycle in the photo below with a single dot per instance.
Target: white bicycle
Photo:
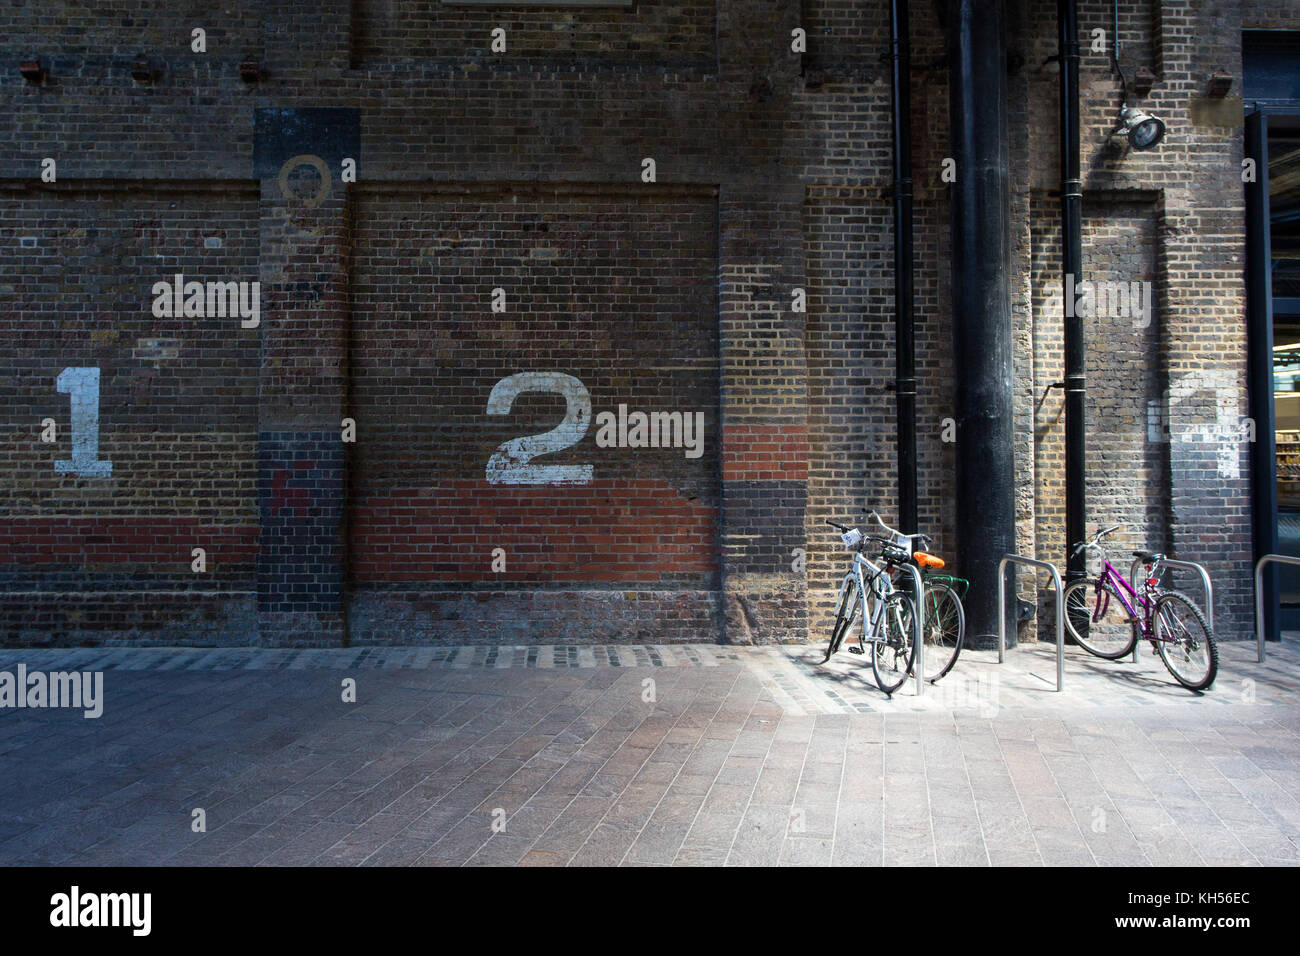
(888, 618)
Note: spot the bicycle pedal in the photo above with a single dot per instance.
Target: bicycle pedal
(856, 650)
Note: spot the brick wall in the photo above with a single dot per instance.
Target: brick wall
(1173, 216)
(852, 420)
(522, 171)
(613, 287)
(385, 31)
(176, 419)
(1127, 474)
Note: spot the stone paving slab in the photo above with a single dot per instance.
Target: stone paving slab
(650, 755)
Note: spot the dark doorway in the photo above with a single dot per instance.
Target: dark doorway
(1271, 89)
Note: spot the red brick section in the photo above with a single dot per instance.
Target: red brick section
(757, 452)
(635, 531)
(126, 543)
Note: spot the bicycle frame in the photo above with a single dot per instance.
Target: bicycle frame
(959, 585)
(1121, 585)
(878, 588)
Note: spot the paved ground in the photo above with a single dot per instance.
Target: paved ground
(650, 755)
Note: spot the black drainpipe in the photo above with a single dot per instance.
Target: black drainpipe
(981, 308)
(1072, 266)
(904, 337)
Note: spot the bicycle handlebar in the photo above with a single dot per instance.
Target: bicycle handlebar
(898, 534)
(1095, 538)
(896, 537)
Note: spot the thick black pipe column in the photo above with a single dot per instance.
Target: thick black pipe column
(904, 333)
(1259, 337)
(1071, 269)
(981, 261)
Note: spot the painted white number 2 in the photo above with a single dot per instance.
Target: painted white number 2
(509, 464)
(82, 384)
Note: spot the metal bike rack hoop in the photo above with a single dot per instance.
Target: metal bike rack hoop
(1259, 598)
(1190, 566)
(919, 660)
(1060, 610)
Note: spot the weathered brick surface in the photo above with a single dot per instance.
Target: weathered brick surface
(387, 31)
(521, 170)
(177, 413)
(523, 614)
(764, 414)
(852, 420)
(610, 286)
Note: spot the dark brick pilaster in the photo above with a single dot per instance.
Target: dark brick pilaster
(764, 415)
(301, 478)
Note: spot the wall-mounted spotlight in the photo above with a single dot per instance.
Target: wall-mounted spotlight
(250, 71)
(1143, 130)
(32, 70)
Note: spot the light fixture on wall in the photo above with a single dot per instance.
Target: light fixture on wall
(1143, 130)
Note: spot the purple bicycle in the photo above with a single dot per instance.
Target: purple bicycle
(1109, 623)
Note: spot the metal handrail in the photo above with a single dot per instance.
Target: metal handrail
(1060, 610)
(1190, 566)
(1259, 597)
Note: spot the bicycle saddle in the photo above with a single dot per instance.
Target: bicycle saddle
(927, 560)
(1150, 557)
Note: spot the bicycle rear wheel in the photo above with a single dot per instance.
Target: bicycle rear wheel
(1110, 636)
(846, 612)
(945, 629)
(1186, 644)
(893, 653)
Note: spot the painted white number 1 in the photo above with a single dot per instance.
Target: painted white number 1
(509, 464)
(82, 384)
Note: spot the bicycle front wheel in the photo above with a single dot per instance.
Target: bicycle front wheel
(846, 612)
(900, 630)
(1109, 636)
(945, 629)
(1186, 645)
